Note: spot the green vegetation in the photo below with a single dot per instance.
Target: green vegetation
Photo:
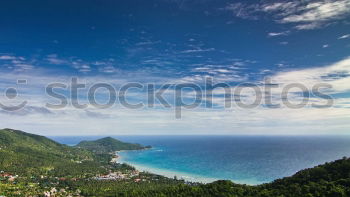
(32, 165)
(29, 155)
(108, 144)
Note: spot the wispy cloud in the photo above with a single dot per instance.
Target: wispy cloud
(284, 43)
(78, 64)
(147, 42)
(316, 14)
(103, 66)
(337, 75)
(108, 69)
(8, 57)
(305, 15)
(274, 34)
(17, 63)
(344, 36)
(198, 50)
(53, 59)
(118, 120)
(28, 110)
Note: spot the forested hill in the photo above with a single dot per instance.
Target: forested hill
(24, 153)
(19, 138)
(31, 165)
(108, 144)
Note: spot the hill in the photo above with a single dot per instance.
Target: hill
(24, 153)
(43, 165)
(108, 144)
(33, 165)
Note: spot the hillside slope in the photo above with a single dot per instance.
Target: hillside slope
(24, 153)
(108, 144)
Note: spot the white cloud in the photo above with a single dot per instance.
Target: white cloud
(118, 120)
(198, 50)
(305, 15)
(242, 10)
(284, 43)
(219, 73)
(28, 110)
(17, 63)
(319, 12)
(79, 64)
(148, 42)
(7, 57)
(274, 34)
(53, 59)
(308, 26)
(82, 67)
(344, 36)
(108, 69)
(337, 75)
(21, 67)
(286, 7)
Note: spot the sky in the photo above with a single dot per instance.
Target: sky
(175, 42)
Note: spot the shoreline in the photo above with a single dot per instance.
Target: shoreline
(168, 173)
(185, 176)
(163, 172)
(172, 174)
(180, 175)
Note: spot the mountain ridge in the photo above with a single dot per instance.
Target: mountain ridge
(108, 145)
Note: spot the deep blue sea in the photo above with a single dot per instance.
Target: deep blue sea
(242, 159)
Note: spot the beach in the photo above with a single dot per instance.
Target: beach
(164, 172)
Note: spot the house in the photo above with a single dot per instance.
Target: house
(12, 178)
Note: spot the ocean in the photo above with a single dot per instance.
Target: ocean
(243, 159)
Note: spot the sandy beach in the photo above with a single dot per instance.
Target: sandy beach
(164, 172)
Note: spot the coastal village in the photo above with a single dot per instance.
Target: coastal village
(126, 175)
(133, 175)
(88, 166)
(7, 176)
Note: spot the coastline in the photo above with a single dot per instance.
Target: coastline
(179, 175)
(168, 173)
(163, 172)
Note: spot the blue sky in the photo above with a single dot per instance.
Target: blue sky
(173, 41)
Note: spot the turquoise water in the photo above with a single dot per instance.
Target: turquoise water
(242, 159)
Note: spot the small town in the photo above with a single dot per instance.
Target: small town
(120, 176)
(7, 176)
(126, 176)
